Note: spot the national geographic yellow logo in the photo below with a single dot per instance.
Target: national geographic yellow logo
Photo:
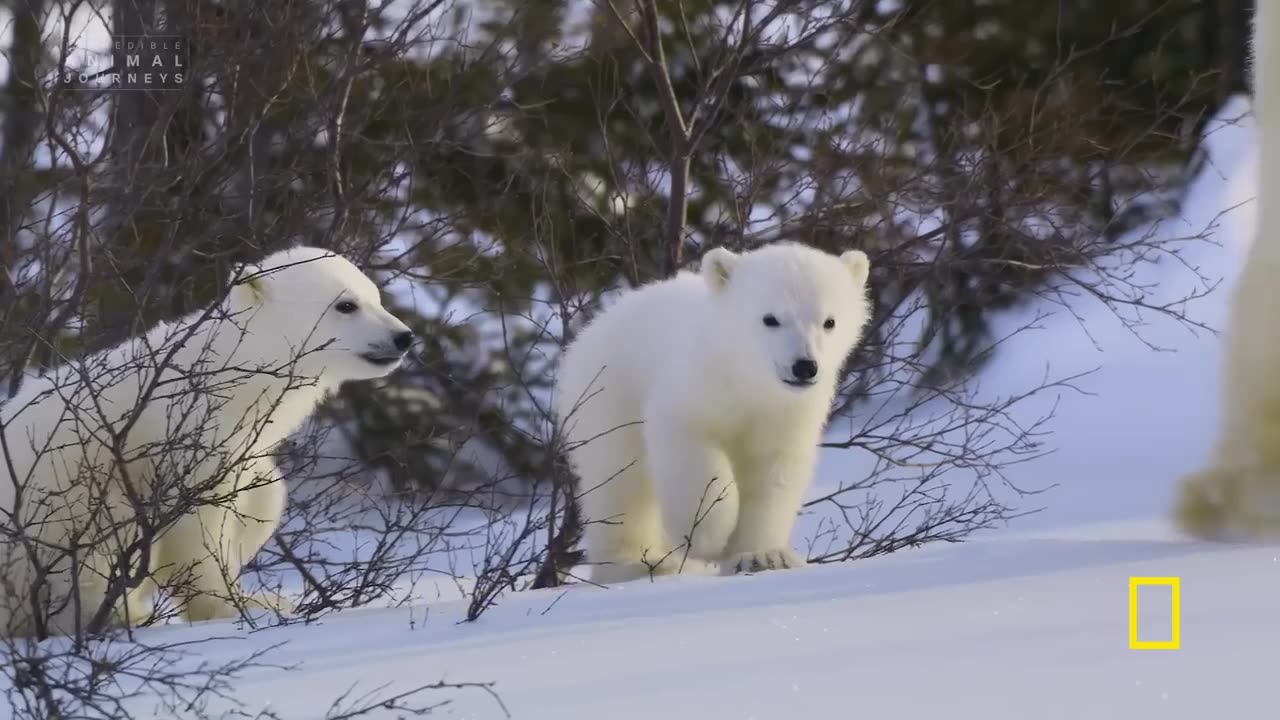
(1175, 631)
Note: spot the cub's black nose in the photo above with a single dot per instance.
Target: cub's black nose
(805, 369)
(404, 340)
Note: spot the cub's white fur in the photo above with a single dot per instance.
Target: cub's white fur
(1238, 494)
(217, 391)
(694, 406)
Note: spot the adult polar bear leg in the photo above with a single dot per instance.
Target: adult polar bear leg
(771, 491)
(1239, 491)
(695, 486)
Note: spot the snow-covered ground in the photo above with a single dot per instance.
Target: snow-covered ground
(1002, 629)
(1030, 621)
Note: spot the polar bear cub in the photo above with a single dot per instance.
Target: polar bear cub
(693, 408)
(169, 436)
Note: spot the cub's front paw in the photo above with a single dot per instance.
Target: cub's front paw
(202, 607)
(132, 611)
(750, 562)
(271, 601)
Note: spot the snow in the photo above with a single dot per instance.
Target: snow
(991, 630)
(1026, 621)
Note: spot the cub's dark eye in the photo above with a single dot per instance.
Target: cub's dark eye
(830, 324)
(346, 307)
(771, 321)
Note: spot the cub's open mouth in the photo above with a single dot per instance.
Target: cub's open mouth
(382, 359)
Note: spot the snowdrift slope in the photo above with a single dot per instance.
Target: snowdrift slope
(1010, 628)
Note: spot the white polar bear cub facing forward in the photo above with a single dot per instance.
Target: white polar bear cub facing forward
(693, 409)
(218, 390)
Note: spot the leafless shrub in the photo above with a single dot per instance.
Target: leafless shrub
(102, 677)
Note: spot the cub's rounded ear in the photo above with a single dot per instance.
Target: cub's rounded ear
(717, 264)
(248, 284)
(858, 263)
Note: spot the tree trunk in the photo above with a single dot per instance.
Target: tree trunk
(19, 132)
(1232, 51)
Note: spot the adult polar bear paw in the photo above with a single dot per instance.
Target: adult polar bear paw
(693, 407)
(751, 562)
(1227, 504)
(206, 400)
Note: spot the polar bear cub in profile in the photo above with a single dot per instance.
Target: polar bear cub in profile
(170, 435)
(693, 408)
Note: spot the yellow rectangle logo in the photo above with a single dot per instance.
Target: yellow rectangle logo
(1175, 635)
